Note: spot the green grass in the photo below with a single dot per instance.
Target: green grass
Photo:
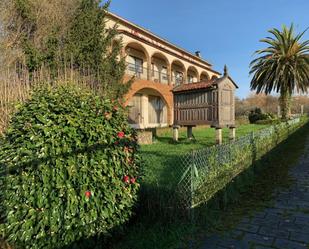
(271, 173)
(162, 158)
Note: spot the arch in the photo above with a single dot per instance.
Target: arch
(137, 46)
(149, 107)
(137, 59)
(178, 63)
(155, 88)
(204, 76)
(192, 75)
(160, 68)
(179, 72)
(160, 55)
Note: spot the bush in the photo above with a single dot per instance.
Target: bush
(71, 169)
(268, 121)
(257, 114)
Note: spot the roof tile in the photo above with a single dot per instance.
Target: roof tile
(195, 86)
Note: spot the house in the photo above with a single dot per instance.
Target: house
(158, 66)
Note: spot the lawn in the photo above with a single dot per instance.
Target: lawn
(160, 233)
(163, 162)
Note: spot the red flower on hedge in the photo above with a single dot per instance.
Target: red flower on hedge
(115, 108)
(126, 179)
(88, 194)
(133, 180)
(120, 134)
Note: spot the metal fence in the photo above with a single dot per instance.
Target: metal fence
(209, 170)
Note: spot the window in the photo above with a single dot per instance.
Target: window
(135, 65)
(190, 78)
(156, 110)
(164, 74)
(178, 78)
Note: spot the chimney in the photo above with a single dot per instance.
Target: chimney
(198, 54)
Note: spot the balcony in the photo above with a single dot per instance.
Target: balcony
(160, 67)
(137, 71)
(178, 80)
(160, 77)
(142, 73)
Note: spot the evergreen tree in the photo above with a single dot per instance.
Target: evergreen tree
(92, 45)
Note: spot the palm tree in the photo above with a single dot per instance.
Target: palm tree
(282, 67)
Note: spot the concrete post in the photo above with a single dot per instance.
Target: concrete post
(169, 71)
(149, 69)
(278, 111)
(144, 111)
(302, 110)
(189, 132)
(175, 133)
(218, 135)
(232, 133)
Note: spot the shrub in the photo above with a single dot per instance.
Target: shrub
(268, 121)
(71, 166)
(257, 114)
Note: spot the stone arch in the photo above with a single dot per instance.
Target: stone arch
(137, 59)
(155, 88)
(192, 75)
(179, 72)
(136, 46)
(160, 68)
(204, 76)
(161, 55)
(148, 112)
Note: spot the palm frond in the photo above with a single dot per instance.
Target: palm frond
(283, 64)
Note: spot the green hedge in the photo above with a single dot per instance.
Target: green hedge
(211, 169)
(69, 169)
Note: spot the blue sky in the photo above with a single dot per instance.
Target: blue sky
(225, 31)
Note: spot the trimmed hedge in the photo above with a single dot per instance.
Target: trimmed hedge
(70, 166)
(257, 115)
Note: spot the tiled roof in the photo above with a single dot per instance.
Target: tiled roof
(195, 86)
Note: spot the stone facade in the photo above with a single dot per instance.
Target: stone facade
(157, 66)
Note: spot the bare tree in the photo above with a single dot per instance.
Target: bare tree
(35, 20)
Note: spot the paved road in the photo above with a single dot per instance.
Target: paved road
(283, 226)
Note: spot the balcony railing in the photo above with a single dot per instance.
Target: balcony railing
(177, 80)
(160, 77)
(136, 70)
(142, 73)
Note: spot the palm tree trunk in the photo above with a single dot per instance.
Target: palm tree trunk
(285, 103)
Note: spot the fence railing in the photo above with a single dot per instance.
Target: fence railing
(177, 80)
(160, 77)
(137, 70)
(209, 170)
